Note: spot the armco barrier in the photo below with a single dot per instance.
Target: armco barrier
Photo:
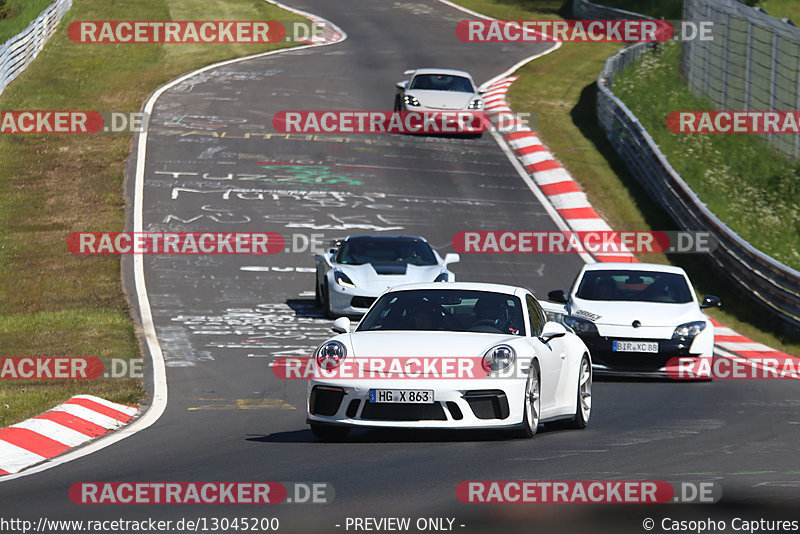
(19, 51)
(766, 280)
(587, 10)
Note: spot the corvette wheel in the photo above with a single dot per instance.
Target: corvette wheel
(329, 432)
(532, 403)
(583, 410)
(326, 300)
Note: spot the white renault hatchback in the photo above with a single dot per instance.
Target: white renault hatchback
(635, 317)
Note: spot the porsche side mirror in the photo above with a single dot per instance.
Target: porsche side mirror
(711, 301)
(557, 295)
(411, 71)
(341, 325)
(552, 330)
(451, 257)
(401, 85)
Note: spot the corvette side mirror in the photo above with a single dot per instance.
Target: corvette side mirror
(451, 257)
(341, 325)
(711, 301)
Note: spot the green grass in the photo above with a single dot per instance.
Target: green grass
(53, 303)
(743, 181)
(559, 88)
(782, 9)
(15, 15)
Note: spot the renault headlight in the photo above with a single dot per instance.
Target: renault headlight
(689, 329)
(581, 326)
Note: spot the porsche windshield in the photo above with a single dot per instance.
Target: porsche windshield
(386, 251)
(441, 82)
(639, 286)
(453, 310)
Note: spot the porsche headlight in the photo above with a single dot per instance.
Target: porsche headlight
(330, 355)
(442, 277)
(476, 104)
(581, 326)
(342, 279)
(498, 358)
(411, 100)
(689, 329)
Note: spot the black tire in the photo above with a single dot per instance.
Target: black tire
(317, 294)
(583, 407)
(326, 300)
(397, 106)
(533, 386)
(329, 432)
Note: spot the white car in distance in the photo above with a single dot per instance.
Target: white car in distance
(353, 272)
(437, 90)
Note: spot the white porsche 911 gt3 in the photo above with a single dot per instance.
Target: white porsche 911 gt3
(437, 90)
(635, 317)
(460, 355)
(352, 273)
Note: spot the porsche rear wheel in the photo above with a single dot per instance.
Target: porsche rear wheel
(531, 408)
(583, 410)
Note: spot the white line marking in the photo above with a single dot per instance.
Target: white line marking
(159, 400)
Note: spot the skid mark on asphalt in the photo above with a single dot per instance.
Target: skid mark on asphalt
(243, 404)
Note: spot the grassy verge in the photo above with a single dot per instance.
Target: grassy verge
(560, 90)
(51, 302)
(766, 186)
(15, 15)
(782, 9)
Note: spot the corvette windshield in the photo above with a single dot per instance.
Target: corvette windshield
(387, 251)
(451, 310)
(639, 286)
(441, 82)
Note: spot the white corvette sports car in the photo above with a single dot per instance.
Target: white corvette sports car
(437, 90)
(635, 317)
(352, 273)
(460, 355)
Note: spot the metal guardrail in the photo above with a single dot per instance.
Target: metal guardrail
(587, 10)
(19, 51)
(766, 280)
(751, 62)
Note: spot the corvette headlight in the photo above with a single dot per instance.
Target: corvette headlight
(442, 277)
(476, 104)
(689, 329)
(498, 358)
(330, 355)
(411, 100)
(581, 326)
(342, 279)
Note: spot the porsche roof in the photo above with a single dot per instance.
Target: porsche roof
(657, 267)
(471, 286)
(450, 72)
